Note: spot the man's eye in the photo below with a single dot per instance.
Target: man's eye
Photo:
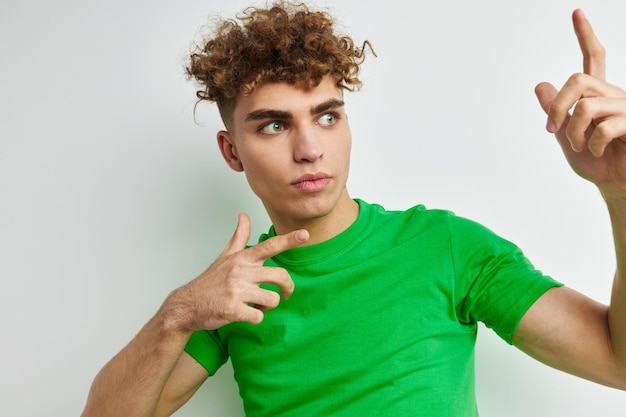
(328, 119)
(273, 127)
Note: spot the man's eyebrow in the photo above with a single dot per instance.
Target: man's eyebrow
(263, 114)
(327, 105)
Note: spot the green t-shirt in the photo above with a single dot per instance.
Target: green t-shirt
(383, 319)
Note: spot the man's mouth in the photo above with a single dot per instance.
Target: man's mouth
(312, 182)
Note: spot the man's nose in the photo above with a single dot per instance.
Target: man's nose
(307, 146)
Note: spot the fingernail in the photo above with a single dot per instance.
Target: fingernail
(302, 235)
(551, 126)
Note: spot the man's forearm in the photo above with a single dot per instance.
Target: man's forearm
(617, 310)
(132, 382)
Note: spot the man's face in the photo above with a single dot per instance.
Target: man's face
(294, 146)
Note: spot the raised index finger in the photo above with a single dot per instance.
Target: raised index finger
(593, 52)
(277, 244)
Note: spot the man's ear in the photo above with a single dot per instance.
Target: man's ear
(229, 150)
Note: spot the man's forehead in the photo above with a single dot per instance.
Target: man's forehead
(286, 97)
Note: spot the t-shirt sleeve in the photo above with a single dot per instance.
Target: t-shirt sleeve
(206, 347)
(495, 283)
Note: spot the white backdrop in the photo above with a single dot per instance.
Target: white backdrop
(111, 196)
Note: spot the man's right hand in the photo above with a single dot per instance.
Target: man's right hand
(229, 290)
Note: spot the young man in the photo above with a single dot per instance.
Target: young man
(344, 308)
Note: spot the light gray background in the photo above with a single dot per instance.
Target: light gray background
(111, 196)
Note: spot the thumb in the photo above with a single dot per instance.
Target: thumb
(545, 93)
(240, 237)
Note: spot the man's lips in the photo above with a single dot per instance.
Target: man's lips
(312, 182)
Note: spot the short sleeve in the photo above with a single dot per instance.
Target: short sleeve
(206, 348)
(495, 283)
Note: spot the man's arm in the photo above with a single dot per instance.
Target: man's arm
(133, 383)
(564, 328)
(152, 375)
(182, 384)
(568, 331)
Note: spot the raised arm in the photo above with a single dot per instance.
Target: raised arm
(152, 376)
(588, 117)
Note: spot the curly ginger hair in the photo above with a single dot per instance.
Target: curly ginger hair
(286, 42)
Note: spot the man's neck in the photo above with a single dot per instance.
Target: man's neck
(325, 227)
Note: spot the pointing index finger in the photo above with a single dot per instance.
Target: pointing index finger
(277, 244)
(591, 48)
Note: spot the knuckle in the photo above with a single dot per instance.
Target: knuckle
(583, 107)
(578, 78)
(237, 270)
(262, 251)
(284, 278)
(273, 300)
(289, 285)
(603, 130)
(233, 275)
(270, 248)
(230, 311)
(276, 244)
(232, 287)
(557, 108)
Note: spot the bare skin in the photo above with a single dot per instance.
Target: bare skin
(563, 328)
(152, 376)
(294, 147)
(282, 157)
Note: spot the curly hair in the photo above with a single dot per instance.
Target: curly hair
(286, 42)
